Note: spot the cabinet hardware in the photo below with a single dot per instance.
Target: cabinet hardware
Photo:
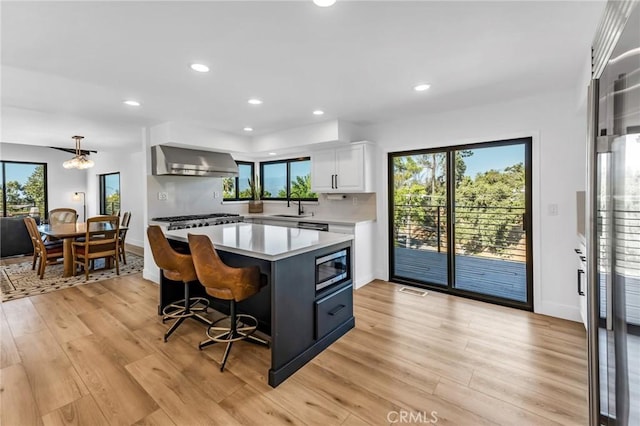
(578, 251)
(336, 310)
(580, 273)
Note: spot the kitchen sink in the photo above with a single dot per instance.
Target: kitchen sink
(291, 215)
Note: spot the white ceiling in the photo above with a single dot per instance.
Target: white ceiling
(67, 66)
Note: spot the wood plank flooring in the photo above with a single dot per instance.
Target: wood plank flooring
(94, 355)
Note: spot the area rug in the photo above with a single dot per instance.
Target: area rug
(18, 280)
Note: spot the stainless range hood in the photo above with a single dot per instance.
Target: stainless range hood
(171, 160)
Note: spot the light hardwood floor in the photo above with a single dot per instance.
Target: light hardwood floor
(94, 355)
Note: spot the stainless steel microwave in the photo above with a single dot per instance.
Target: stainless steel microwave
(332, 268)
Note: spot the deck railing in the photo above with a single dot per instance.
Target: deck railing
(487, 231)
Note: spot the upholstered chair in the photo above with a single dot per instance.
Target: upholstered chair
(176, 267)
(226, 283)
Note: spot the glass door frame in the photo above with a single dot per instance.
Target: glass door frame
(451, 252)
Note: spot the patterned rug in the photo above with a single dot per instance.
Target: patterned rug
(18, 280)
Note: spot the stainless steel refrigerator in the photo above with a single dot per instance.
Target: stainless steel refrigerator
(613, 240)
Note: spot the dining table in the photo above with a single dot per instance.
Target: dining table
(68, 232)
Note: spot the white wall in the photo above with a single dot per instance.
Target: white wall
(61, 183)
(132, 189)
(290, 140)
(192, 136)
(558, 129)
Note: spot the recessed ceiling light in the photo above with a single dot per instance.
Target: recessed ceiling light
(324, 3)
(254, 101)
(421, 87)
(318, 112)
(200, 67)
(131, 103)
(248, 129)
(272, 153)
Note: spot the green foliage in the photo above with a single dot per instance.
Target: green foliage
(112, 203)
(15, 193)
(228, 188)
(34, 188)
(301, 188)
(488, 207)
(20, 197)
(489, 210)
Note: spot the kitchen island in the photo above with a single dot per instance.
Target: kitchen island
(301, 321)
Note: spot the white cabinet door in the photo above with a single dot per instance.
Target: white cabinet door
(350, 168)
(323, 169)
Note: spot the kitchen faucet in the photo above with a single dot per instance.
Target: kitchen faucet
(300, 211)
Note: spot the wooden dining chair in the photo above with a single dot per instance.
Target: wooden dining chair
(100, 241)
(62, 215)
(126, 218)
(49, 253)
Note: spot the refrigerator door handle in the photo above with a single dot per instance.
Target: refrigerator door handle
(580, 273)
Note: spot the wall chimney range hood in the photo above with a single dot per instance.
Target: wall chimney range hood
(175, 161)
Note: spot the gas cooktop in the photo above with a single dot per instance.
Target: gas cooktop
(197, 220)
(193, 217)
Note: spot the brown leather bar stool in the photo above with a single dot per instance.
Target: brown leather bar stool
(227, 283)
(176, 267)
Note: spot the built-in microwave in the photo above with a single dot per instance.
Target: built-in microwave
(332, 268)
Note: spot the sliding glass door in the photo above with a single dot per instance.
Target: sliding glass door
(491, 239)
(478, 198)
(419, 228)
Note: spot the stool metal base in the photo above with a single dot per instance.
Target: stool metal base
(237, 330)
(181, 312)
(177, 309)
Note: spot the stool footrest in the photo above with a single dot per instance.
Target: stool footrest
(178, 309)
(241, 332)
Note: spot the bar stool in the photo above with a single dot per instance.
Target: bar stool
(176, 267)
(226, 283)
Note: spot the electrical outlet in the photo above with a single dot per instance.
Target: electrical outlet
(552, 209)
(216, 194)
(163, 196)
(355, 201)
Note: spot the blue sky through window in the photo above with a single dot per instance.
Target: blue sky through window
(497, 158)
(19, 172)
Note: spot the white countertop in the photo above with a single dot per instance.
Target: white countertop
(319, 218)
(262, 241)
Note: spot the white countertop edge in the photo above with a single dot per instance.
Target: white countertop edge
(331, 238)
(315, 219)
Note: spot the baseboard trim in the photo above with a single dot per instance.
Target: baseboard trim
(281, 374)
(363, 281)
(151, 275)
(559, 310)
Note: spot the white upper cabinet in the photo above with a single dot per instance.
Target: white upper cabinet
(344, 169)
(323, 170)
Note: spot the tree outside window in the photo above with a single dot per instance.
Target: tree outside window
(110, 193)
(237, 188)
(23, 186)
(287, 180)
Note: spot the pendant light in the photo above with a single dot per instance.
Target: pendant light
(79, 161)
